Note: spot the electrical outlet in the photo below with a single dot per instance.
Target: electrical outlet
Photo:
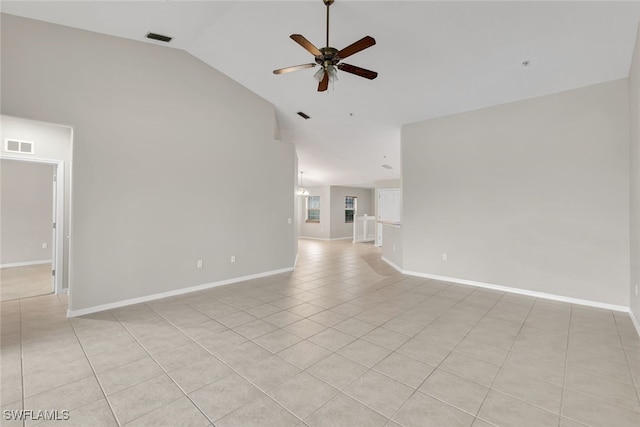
(636, 290)
(394, 248)
(233, 258)
(288, 220)
(45, 245)
(199, 264)
(444, 257)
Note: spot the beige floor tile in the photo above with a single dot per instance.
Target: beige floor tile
(11, 389)
(337, 371)
(282, 318)
(224, 396)
(268, 373)
(506, 411)
(385, 338)
(179, 413)
(343, 411)
(140, 399)
(236, 319)
(277, 340)
(180, 356)
(262, 412)
(222, 342)
(130, 374)
(56, 377)
(404, 369)
(306, 310)
(96, 414)
(365, 353)
(537, 368)
(116, 357)
(425, 411)
(456, 391)
(423, 351)
(305, 328)
(198, 374)
(470, 368)
(379, 392)
(67, 397)
(479, 350)
(531, 390)
(403, 326)
(354, 327)
(204, 329)
(332, 339)
(602, 388)
(595, 412)
(303, 394)
(328, 318)
(255, 329)
(243, 355)
(304, 354)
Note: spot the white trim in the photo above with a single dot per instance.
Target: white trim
(392, 264)
(519, 291)
(325, 238)
(22, 264)
(153, 297)
(527, 292)
(635, 321)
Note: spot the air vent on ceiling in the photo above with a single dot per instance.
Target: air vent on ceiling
(17, 146)
(303, 115)
(387, 167)
(159, 37)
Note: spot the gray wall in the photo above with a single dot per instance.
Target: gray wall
(392, 244)
(634, 98)
(340, 229)
(316, 230)
(26, 211)
(51, 142)
(168, 153)
(531, 195)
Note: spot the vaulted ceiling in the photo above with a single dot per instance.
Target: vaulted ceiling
(433, 59)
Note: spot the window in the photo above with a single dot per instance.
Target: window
(350, 208)
(313, 209)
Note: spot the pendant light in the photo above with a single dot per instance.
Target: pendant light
(301, 190)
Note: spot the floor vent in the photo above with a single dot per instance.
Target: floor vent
(17, 146)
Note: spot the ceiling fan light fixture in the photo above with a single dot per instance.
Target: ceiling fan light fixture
(319, 75)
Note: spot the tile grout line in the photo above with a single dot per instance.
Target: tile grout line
(626, 357)
(95, 374)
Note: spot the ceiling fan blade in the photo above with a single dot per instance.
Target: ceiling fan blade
(299, 38)
(294, 68)
(367, 74)
(324, 83)
(356, 47)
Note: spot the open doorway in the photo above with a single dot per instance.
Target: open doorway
(31, 249)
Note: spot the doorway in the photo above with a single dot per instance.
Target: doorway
(32, 243)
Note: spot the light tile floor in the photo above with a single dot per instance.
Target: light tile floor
(343, 341)
(26, 281)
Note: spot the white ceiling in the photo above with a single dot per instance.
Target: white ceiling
(433, 59)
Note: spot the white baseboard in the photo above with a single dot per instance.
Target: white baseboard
(24, 264)
(147, 298)
(394, 265)
(325, 238)
(635, 321)
(519, 291)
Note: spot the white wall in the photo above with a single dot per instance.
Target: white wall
(634, 98)
(51, 142)
(392, 245)
(26, 211)
(340, 229)
(316, 230)
(168, 154)
(531, 195)
(380, 185)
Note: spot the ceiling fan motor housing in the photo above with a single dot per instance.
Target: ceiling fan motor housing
(329, 56)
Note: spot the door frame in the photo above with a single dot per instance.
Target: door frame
(58, 248)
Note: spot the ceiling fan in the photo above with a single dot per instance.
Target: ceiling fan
(328, 58)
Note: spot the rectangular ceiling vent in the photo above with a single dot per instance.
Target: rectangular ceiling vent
(159, 37)
(387, 167)
(303, 115)
(17, 146)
